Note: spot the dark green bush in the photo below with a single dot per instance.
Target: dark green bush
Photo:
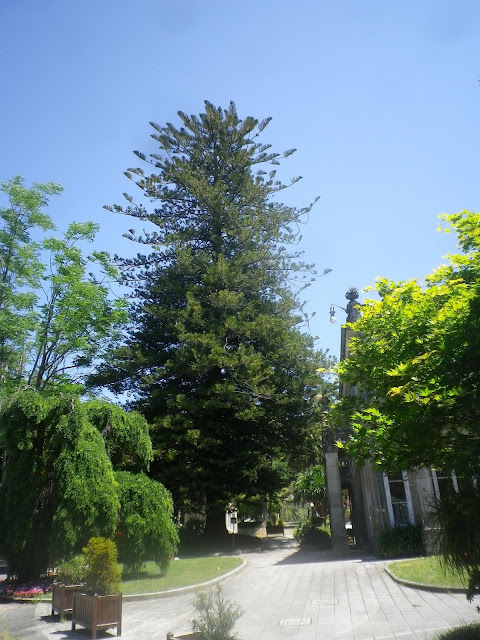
(276, 522)
(458, 515)
(401, 541)
(311, 532)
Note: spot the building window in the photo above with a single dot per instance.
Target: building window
(399, 499)
(444, 482)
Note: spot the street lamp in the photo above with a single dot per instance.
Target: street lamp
(333, 319)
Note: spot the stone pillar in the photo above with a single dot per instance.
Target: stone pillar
(335, 502)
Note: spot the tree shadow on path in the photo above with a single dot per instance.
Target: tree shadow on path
(310, 554)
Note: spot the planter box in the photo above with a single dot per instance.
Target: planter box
(97, 612)
(62, 598)
(275, 529)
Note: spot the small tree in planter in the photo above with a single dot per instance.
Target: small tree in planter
(217, 616)
(102, 575)
(70, 578)
(101, 606)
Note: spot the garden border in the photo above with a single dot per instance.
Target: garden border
(422, 586)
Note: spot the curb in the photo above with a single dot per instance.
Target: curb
(422, 586)
(179, 590)
(141, 596)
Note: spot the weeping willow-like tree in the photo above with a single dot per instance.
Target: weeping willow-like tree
(59, 487)
(146, 530)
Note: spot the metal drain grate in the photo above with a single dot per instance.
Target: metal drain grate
(295, 622)
(326, 601)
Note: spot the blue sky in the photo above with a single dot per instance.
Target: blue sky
(381, 99)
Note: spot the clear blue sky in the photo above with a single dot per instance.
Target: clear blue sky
(381, 99)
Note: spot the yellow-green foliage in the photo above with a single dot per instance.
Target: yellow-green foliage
(414, 359)
(102, 575)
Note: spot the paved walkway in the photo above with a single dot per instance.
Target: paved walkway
(287, 593)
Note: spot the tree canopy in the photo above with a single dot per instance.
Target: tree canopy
(56, 315)
(414, 360)
(217, 357)
(20, 268)
(145, 530)
(59, 453)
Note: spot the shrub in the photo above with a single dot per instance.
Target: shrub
(465, 632)
(401, 541)
(146, 530)
(102, 575)
(72, 571)
(311, 532)
(217, 616)
(458, 515)
(275, 522)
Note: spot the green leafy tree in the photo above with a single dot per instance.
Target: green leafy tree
(309, 486)
(146, 530)
(56, 315)
(59, 486)
(216, 358)
(414, 362)
(77, 318)
(20, 269)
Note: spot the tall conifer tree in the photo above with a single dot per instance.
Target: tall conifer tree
(216, 358)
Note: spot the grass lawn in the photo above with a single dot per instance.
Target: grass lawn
(427, 570)
(180, 573)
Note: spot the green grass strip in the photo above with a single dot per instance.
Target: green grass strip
(180, 573)
(429, 571)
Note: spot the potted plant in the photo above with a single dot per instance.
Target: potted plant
(216, 617)
(70, 577)
(275, 526)
(99, 606)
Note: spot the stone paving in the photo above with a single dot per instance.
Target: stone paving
(287, 593)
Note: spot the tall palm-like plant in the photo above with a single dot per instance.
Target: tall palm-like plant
(310, 487)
